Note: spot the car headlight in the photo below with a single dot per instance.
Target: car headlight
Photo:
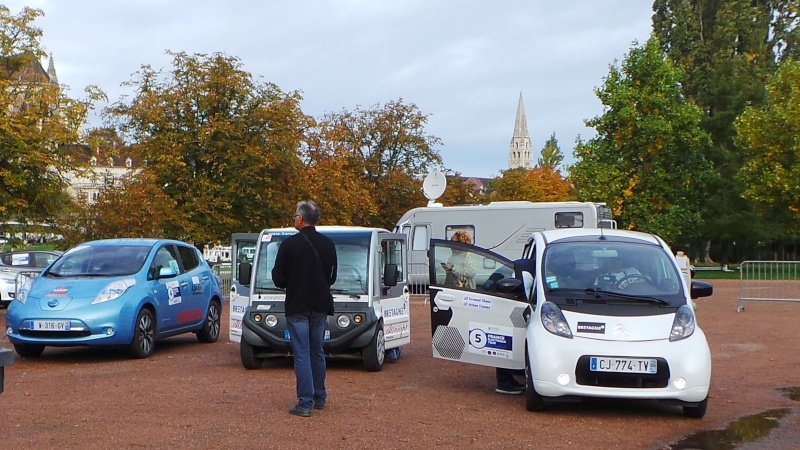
(554, 321)
(683, 325)
(22, 292)
(114, 290)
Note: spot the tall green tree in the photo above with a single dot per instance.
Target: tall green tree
(552, 156)
(768, 135)
(387, 149)
(648, 159)
(38, 125)
(727, 50)
(219, 143)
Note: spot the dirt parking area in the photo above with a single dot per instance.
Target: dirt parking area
(192, 395)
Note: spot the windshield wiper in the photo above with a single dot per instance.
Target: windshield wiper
(352, 295)
(599, 293)
(260, 289)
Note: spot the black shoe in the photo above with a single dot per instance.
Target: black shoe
(320, 404)
(296, 410)
(512, 389)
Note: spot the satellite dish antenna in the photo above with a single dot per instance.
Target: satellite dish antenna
(433, 186)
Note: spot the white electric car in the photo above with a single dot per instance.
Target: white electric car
(586, 313)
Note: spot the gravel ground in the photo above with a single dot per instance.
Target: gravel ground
(192, 395)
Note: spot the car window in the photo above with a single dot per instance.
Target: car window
(42, 260)
(188, 258)
(17, 259)
(165, 257)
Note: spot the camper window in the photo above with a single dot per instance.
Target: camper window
(450, 230)
(569, 220)
(420, 238)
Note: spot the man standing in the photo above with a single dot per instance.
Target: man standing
(306, 267)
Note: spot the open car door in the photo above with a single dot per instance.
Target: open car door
(478, 307)
(394, 294)
(243, 247)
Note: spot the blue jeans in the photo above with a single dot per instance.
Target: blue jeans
(306, 333)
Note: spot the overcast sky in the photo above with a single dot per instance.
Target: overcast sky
(462, 62)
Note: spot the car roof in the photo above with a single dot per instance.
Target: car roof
(144, 242)
(551, 236)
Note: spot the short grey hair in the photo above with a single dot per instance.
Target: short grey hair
(309, 211)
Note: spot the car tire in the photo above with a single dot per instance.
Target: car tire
(144, 335)
(211, 325)
(247, 352)
(533, 401)
(29, 350)
(373, 353)
(696, 412)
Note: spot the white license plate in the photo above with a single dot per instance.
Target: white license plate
(49, 325)
(623, 365)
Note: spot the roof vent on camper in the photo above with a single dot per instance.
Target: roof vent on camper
(433, 187)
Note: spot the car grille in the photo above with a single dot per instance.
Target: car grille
(585, 377)
(55, 334)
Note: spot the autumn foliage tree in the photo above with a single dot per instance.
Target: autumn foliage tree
(38, 124)
(218, 143)
(540, 184)
(383, 153)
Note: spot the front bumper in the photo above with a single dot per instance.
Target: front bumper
(559, 368)
(337, 340)
(88, 326)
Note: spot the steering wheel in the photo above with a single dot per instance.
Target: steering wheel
(625, 281)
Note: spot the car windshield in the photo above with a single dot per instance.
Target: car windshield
(351, 252)
(98, 261)
(611, 272)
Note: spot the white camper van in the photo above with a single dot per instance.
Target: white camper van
(502, 227)
(371, 299)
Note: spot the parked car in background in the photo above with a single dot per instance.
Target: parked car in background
(12, 263)
(128, 292)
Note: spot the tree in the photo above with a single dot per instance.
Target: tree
(38, 127)
(768, 135)
(385, 150)
(540, 184)
(552, 156)
(727, 50)
(146, 212)
(647, 161)
(221, 145)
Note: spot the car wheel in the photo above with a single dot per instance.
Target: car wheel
(211, 326)
(533, 401)
(247, 352)
(373, 353)
(696, 412)
(29, 350)
(144, 335)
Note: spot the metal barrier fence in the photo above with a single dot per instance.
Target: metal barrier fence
(769, 280)
(223, 272)
(418, 278)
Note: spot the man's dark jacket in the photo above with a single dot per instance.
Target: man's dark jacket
(306, 278)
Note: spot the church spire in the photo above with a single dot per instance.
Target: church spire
(519, 154)
(51, 71)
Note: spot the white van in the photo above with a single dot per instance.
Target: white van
(371, 297)
(502, 227)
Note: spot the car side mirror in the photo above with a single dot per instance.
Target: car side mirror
(390, 274)
(509, 286)
(166, 272)
(243, 273)
(701, 289)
